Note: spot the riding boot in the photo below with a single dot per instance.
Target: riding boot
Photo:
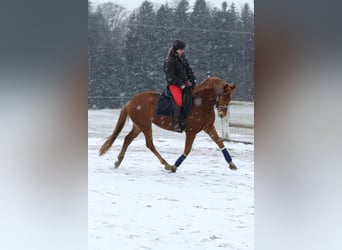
(181, 119)
(176, 117)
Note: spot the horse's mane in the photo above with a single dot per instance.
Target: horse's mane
(210, 83)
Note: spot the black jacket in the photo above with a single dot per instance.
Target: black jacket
(177, 70)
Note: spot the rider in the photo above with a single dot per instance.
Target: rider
(179, 76)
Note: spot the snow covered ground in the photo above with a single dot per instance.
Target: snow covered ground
(140, 205)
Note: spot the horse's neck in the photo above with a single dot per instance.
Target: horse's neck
(207, 97)
(209, 83)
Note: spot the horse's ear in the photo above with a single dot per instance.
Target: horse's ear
(232, 86)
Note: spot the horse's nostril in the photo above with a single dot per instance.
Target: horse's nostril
(222, 114)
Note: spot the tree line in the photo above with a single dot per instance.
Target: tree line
(126, 51)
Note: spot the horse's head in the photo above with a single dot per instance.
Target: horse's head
(223, 99)
(218, 91)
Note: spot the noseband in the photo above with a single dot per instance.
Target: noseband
(220, 107)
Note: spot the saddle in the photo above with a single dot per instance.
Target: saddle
(166, 103)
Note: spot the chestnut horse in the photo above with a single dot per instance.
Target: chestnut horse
(142, 111)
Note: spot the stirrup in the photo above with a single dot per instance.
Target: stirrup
(177, 128)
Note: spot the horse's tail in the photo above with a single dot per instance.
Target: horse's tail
(119, 125)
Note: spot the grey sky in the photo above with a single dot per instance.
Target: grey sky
(132, 4)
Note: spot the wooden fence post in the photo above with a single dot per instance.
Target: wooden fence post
(225, 126)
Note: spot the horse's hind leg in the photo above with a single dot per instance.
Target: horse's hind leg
(128, 139)
(150, 145)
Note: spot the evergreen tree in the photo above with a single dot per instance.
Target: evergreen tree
(113, 58)
(141, 44)
(181, 20)
(105, 43)
(234, 42)
(199, 44)
(247, 52)
(126, 55)
(221, 52)
(164, 33)
(97, 31)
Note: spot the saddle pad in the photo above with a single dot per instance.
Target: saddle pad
(164, 105)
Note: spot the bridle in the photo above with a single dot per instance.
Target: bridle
(220, 107)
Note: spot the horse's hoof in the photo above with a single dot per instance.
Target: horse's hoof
(173, 169)
(232, 166)
(167, 167)
(117, 164)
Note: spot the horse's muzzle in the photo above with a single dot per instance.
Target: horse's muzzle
(222, 113)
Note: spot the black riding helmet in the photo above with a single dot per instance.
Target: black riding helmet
(178, 44)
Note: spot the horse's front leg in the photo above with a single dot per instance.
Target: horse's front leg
(190, 137)
(211, 131)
